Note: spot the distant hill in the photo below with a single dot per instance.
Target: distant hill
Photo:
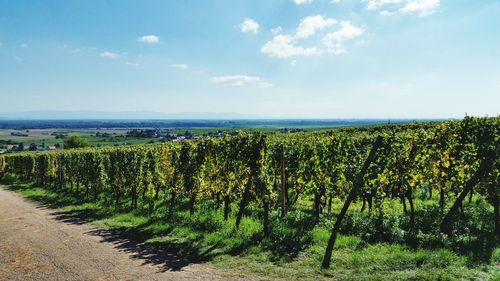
(149, 119)
(124, 115)
(190, 123)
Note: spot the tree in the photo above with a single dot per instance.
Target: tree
(75, 142)
(32, 147)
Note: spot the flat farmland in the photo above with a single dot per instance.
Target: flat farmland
(48, 136)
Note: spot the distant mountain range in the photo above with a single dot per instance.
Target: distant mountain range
(145, 119)
(152, 115)
(124, 115)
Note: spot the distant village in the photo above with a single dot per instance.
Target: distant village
(167, 135)
(155, 135)
(178, 137)
(6, 147)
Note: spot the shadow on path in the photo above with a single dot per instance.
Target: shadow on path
(164, 254)
(168, 255)
(149, 253)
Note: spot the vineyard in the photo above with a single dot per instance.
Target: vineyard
(349, 181)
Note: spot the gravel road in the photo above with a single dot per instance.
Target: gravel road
(34, 245)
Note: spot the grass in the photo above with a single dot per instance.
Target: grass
(294, 249)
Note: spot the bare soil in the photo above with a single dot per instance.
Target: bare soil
(35, 245)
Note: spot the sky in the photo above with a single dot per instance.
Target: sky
(261, 58)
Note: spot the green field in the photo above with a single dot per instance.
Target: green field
(46, 137)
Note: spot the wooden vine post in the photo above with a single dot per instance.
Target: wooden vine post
(483, 169)
(358, 183)
(283, 179)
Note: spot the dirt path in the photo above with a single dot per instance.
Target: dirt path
(35, 246)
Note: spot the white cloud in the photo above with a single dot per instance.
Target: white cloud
(309, 25)
(284, 46)
(334, 41)
(249, 25)
(24, 46)
(386, 13)
(182, 66)
(276, 30)
(421, 7)
(149, 39)
(240, 80)
(108, 55)
(377, 4)
(301, 2)
(131, 63)
(288, 45)
(293, 63)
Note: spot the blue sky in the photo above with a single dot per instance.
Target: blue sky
(264, 58)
